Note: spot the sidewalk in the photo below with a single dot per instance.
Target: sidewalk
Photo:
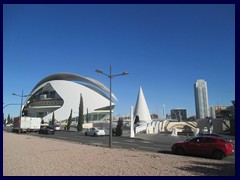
(160, 137)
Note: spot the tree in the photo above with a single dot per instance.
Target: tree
(87, 116)
(8, 119)
(229, 115)
(192, 118)
(11, 120)
(80, 115)
(225, 114)
(4, 122)
(69, 121)
(119, 129)
(53, 119)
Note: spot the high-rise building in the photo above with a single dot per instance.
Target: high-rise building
(180, 114)
(201, 99)
(212, 112)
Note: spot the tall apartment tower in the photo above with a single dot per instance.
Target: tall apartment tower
(201, 99)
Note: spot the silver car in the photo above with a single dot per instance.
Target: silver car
(57, 128)
(94, 132)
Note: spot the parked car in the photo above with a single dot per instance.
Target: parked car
(94, 132)
(46, 130)
(57, 128)
(127, 125)
(215, 147)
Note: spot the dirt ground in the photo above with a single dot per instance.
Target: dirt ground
(25, 155)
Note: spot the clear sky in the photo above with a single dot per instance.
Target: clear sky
(165, 48)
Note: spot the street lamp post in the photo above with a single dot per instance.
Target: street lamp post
(19, 130)
(110, 76)
(10, 104)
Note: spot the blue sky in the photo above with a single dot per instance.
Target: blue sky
(165, 48)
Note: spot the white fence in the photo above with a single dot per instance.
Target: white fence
(140, 128)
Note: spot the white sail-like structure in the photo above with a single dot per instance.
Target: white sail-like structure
(141, 109)
(60, 93)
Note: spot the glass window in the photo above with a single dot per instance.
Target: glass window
(194, 140)
(224, 140)
(210, 139)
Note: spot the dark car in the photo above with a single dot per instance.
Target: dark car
(46, 130)
(215, 147)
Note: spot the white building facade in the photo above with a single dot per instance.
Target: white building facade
(60, 93)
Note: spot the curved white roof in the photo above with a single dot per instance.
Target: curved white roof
(74, 77)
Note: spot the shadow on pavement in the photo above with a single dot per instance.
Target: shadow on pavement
(210, 168)
(165, 152)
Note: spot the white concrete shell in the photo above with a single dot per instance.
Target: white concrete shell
(141, 109)
(68, 88)
(73, 77)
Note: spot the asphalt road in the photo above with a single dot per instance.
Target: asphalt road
(160, 143)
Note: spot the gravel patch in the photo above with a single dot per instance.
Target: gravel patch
(25, 155)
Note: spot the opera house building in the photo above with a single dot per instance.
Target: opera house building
(60, 93)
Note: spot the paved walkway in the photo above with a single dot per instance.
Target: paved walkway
(155, 137)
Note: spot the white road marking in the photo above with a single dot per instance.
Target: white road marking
(125, 143)
(148, 147)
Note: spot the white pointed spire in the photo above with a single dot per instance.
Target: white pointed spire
(141, 108)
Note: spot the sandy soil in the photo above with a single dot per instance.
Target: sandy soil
(25, 155)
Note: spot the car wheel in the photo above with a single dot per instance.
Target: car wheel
(218, 155)
(94, 134)
(179, 151)
(85, 133)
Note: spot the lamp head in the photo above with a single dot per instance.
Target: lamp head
(125, 73)
(98, 71)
